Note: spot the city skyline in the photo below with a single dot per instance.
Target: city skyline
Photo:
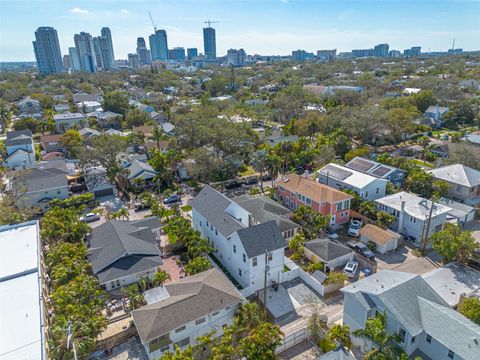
(267, 27)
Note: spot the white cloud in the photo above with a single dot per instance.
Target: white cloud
(77, 10)
(125, 11)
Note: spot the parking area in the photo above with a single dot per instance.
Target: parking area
(404, 259)
(129, 350)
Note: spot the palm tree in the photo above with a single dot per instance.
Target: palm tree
(341, 335)
(123, 213)
(157, 136)
(160, 277)
(250, 315)
(375, 331)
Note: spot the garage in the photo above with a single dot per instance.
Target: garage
(385, 240)
(334, 255)
(103, 192)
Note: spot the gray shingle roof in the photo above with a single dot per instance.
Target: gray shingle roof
(211, 204)
(189, 299)
(36, 179)
(115, 240)
(137, 167)
(128, 265)
(458, 174)
(340, 353)
(327, 250)
(260, 238)
(19, 137)
(264, 209)
(451, 329)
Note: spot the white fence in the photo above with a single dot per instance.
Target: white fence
(312, 282)
(292, 340)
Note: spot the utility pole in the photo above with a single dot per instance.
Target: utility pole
(267, 268)
(425, 234)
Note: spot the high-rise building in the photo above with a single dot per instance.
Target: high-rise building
(192, 53)
(236, 57)
(66, 62)
(209, 44)
(327, 54)
(105, 32)
(299, 55)
(133, 60)
(74, 62)
(413, 51)
(177, 54)
(142, 52)
(106, 53)
(394, 53)
(98, 52)
(86, 52)
(47, 51)
(159, 45)
(362, 52)
(381, 50)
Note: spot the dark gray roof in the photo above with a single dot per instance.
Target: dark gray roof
(340, 353)
(131, 264)
(189, 299)
(327, 250)
(264, 209)
(137, 167)
(451, 329)
(211, 204)
(116, 240)
(260, 238)
(151, 222)
(36, 179)
(18, 137)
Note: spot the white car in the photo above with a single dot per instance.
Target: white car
(354, 228)
(90, 217)
(351, 269)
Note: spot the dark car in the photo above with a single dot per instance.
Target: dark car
(266, 177)
(232, 184)
(252, 180)
(362, 249)
(142, 205)
(172, 199)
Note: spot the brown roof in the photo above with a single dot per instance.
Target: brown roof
(189, 299)
(376, 234)
(312, 189)
(50, 138)
(147, 130)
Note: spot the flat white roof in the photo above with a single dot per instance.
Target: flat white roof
(21, 310)
(356, 179)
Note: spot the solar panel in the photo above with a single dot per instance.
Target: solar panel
(361, 165)
(335, 172)
(381, 171)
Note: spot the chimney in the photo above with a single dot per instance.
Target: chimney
(400, 217)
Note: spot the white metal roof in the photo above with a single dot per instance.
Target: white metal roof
(356, 179)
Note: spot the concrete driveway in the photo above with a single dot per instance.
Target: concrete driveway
(403, 259)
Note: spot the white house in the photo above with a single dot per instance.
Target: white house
(435, 115)
(89, 106)
(20, 149)
(68, 120)
(427, 327)
(30, 108)
(242, 246)
(412, 213)
(178, 313)
(340, 177)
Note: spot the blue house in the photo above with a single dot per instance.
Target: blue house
(394, 175)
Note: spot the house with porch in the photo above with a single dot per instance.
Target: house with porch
(242, 245)
(425, 324)
(368, 187)
(178, 313)
(122, 252)
(293, 190)
(20, 149)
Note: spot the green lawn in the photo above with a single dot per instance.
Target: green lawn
(247, 172)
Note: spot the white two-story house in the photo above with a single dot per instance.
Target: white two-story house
(411, 213)
(178, 313)
(368, 187)
(426, 326)
(243, 246)
(20, 149)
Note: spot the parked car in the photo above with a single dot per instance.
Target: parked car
(331, 232)
(232, 184)
(252, 180)
(354, 228)
(172, 199)
(351, 269)
(362, 249)
(90, 217)
(266, 177)
(142, 205)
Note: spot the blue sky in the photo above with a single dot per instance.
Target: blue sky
(259, 26)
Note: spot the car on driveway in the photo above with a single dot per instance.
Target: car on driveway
(354, 228)
(331, 233)
(90, 217)
(252, 180)
(362, 249)
(232, 184)
(172, 199)
(351, 269)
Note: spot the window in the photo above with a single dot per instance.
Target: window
(181, 328)
(451, 354)
(207, 224)
(216, 232)
(401, 334)
(366, 193)
(160, 338)
(234, 249)
(269, 257)
(339, 206)
(215, 313)
(239, 272)
(378, 190)
(211, 227)
(429, 338)
(59, 192)
(281, 188)
(199, 321)
(412, 340)
(200, 223)
(244, 258)
(254, 261)
(183, 342)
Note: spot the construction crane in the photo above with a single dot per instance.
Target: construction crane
(453, 45)
(210, 22)
(154, 26)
